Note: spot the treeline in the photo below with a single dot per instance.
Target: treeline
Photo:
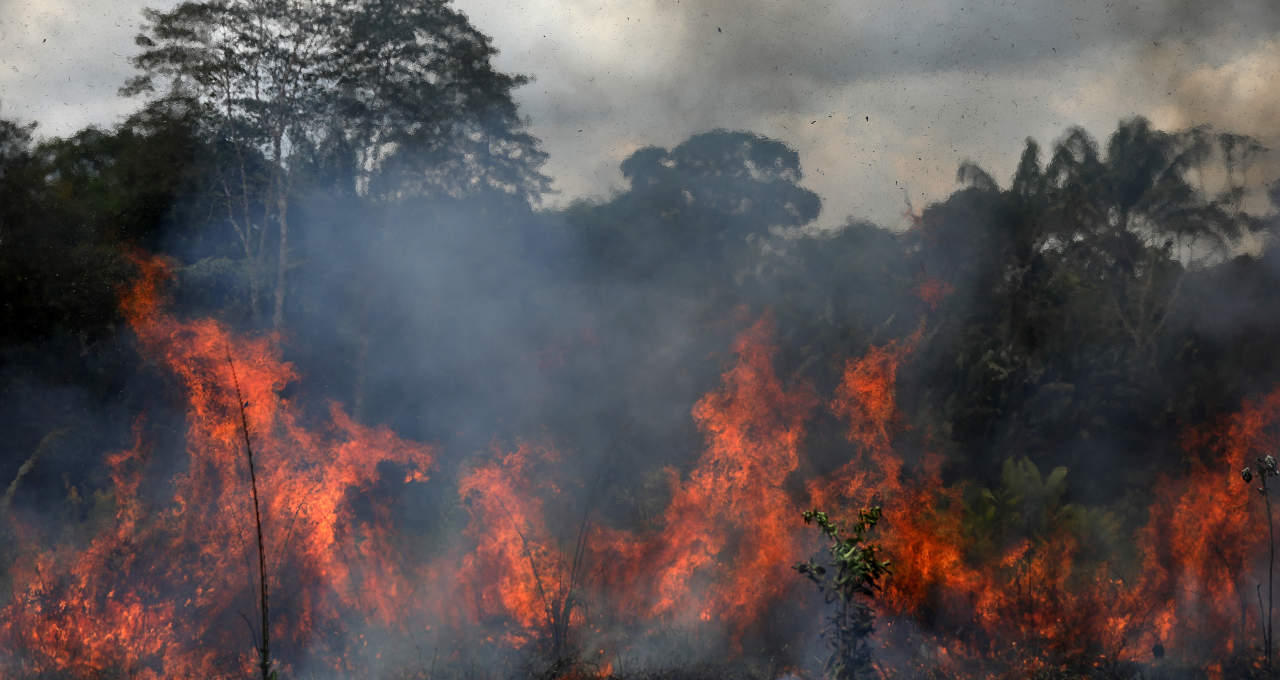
(356, 176)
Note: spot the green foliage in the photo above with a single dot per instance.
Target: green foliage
(399, 96)
(1025, 503)
(1028, 504)
(693, 210)
(380, 100)
(851, 573)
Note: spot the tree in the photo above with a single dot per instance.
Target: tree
(1148, 210)
(70, 207)
(255, 68)
(421, 108)
(1072, 276)
(696, 206)
(20, 177)
(387, 97)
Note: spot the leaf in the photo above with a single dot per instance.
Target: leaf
(1057, 478)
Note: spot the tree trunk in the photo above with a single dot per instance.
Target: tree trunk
(277, 316)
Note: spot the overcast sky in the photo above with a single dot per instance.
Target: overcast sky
(876, 95)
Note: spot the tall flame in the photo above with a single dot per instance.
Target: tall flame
(515, 569)
(163, 589)
(732, 515)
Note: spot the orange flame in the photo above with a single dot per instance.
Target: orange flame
(515, 569)
(727, 538)
(157, 592)
(932, 291)
(160, 592)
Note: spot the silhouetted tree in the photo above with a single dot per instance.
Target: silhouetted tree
(397, 98)
(69, 207)
(694, 207)
(1089, 251)
(422, 109)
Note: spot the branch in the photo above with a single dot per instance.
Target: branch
(45, 443)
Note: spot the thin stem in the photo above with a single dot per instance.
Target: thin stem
(1271, 570)
(264, 651)
(1261, 613)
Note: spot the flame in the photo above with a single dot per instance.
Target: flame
(727, 538)
(1038, 605)
(932, 291)
(1205, 542)
(160, 592)
(515, 570)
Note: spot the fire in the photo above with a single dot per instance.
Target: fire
(727, 538)
(515, 569)
(932, 563)
(161, 588)
(1038, 597)
(865, 398)
(932, 291)
(161, 591)
(1205, 543)
(732, 514)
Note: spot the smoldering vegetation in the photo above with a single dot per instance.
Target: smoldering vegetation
(500, 440)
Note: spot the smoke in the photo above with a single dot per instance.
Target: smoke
(869, 93)
(603, 377)
(1233, 94)
(663, 376)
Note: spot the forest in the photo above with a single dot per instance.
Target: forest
(301, 378)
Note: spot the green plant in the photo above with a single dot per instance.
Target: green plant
(850, 574)
(1030, 505)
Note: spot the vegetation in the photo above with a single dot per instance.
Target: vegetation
(851, 574)
(355, 177)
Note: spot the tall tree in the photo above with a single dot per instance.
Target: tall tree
(254, 67)
(1071, 282)
(389, 97)
(421, 108)
(697, 206)
(1146, 210)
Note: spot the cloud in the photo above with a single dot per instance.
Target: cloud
(61, 62)
(1238, 94)
(940, 81)
(876, 94)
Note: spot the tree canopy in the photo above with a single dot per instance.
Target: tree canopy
(377, 99)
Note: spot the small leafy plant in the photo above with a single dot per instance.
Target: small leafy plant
(850, 574)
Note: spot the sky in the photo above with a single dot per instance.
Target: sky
(882, 99)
